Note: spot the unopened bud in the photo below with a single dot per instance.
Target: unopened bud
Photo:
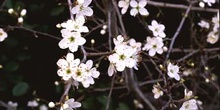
(201, 4)
(20, 20)
(165, 49)
(58, 25)
(104, 27)
(51, 104)
(92, 41)
(102, 32)
(23, 12)
(10, 11)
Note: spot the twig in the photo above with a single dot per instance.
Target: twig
(177, 32)
(178, 6)
(110, 92)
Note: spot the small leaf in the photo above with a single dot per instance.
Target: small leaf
(11, 66)
(20, 89)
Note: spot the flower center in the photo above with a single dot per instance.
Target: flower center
(78, 73)
(72, 39)
(122, 57)
(68, 71)
(1, 33)
(154, 46)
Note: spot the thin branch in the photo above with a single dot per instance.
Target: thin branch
(177, 32)
(110, 92)
(178, 6)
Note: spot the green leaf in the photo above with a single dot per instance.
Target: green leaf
(20, 89)
(57, 11)
(122, 106)
(11, 66)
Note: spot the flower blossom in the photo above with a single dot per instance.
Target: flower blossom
(13, 105)
(204, 24)
(157, 91)
(82, 9)
(138, 7)
(70, 104)
(71, 40)
(209, 2)
(32, 103)
(154, 45)
(67, 66)
(3, 35)
(172, 71)
(126, 55)
(189, 104)
(124, 4)
(76, 25)
(212, 37)
(157, 29)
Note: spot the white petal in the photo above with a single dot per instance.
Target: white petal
(159, 50)
(152, 52)
(89, 64)
(110, 70)
(95, 74)
(73, 47)
(63, 44)
(62, 63)
(133, 3)
(171, 75)
(120, 66)
(124, 10)
(177, 77)
(76, 105)
(69, 57)
(87, 11)
(86, 3)
(143, 12)
(85, 29)
(133, 12)
(75, 9)
(142, 3)
(81, 41)
(122, 4)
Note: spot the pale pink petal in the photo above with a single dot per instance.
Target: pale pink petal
(133, 12)
(143, 12)
(64, 43)
(87, 11)
(142, 3)
(133, 3)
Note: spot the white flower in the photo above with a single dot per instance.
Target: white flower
(32, 103)
(189, 105)
(76, 25)
(70, 104)
(157, 92)
(157, 29)
(188, 94)
(43, 107)
(124, 4)
(204, 24)
(138, 7)
(3, 35)
(71, 40)
(215, 21)
(67, 67)
(11, 10)
(154, 45)
(13, 104)
(82, 9)
(209, 2)
(172, 71)
(212, 37)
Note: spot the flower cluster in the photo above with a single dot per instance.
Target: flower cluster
(155, 44)
(3, 35)
(190, 104)
(79, 72)
(126, 55)
(136, 7)
(213, 35)
(19, 14)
